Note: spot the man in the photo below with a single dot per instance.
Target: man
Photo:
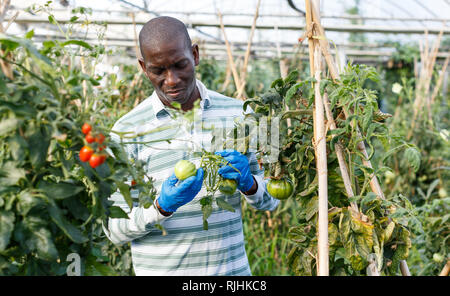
(169, 60)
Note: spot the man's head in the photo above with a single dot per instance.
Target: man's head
(169, 59)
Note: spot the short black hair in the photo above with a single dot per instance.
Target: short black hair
(160, 29)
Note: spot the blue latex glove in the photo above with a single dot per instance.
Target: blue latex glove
(174, 196)
(239, 161)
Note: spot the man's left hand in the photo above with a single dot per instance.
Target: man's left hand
(239, 161)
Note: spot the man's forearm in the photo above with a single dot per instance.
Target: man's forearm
(253, 189)
(164, 213)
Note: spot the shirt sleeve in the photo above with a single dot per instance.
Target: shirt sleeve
(141, 220)
(261, 200)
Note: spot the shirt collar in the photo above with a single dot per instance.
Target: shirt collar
(162, 111)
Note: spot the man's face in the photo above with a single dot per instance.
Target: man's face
(170, 66)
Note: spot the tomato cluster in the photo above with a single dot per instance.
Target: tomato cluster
(88, 153)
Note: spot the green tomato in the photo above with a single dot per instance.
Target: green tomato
(280, 189)
(389, 176)
(438, 258)
(227, 186)
(185, 169)
(442, 192)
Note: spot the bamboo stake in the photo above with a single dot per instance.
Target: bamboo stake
(340, 154)
(439, 82)
(312, 9)
(247, 54)
(428, 59)
(446, 269)
(339, 150)
(136, 46)
(374, 184)
(320, 151)
(321, 160)
(237, 81)
(309, 28)
(404, 268)
(84, 83)
(324, 45)
(227, 77)
(6, 67)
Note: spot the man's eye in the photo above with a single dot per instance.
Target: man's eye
(181, 64)
(156, 70)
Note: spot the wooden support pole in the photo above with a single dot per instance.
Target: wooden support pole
(313, 17)
(404, 268)
(236, 78)
(320, 150)
(340, 154)
(320, 143)
(247, 54)
(446, 269)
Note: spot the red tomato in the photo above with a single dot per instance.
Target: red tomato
(86, 153)
(100, 138)
(89, 138)
(86, 128)
(96, 160)
(133, 183)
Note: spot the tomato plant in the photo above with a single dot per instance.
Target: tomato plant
(355, 238)
(53, 203)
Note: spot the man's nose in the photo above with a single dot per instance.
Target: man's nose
(172, 78)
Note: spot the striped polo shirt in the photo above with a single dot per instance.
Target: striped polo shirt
(185, 248)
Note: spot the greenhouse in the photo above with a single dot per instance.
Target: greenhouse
(221, 138)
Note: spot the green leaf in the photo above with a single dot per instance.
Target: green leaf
(388, 231)
(224, 205)
(51, 20)
(8, 125)
(413, 157)
(125, 191)
(29, 34)
(367, 117)
(36, 237)
(207, 211)
(277, 82)
(292, 91)
(94, 268)
(38, 145)
(297, 234)
(70, 230)
(10, 174)
(117, 212)
(26, 201)
(312, 207)
(28, 45)
(59, 190)
(6, 228)
(292, 77)
(77, 42)
(431, 188)
(344, 226)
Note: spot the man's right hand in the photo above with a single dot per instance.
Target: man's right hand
(175, 195)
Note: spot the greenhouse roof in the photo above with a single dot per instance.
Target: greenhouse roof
(360, 27)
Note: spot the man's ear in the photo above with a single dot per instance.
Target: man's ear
(142, 64)
(195, 53)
